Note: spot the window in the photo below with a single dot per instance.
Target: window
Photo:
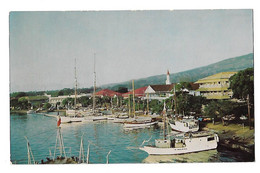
(211, 138)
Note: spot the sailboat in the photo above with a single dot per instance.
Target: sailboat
(182, 143)
(72, 115)
(95, 115)
(136, 122)
(185, 124)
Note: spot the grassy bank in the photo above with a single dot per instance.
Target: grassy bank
(234, 136)
(18, 111)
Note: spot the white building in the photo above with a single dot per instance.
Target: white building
(159, 92)
(55, 100)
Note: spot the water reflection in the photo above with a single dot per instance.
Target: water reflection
(204, 156)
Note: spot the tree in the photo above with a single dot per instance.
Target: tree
(60, 93)
(68, 100)
(46, 105)
(23, 102)
(14, 102)
(122, 89)
(242, 84)
(187, 103)
(219, 108)
(156, 106)
(19, 94)
(183, 85)
(85, 101)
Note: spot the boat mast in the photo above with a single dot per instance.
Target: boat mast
(75, 99)
(60, 139)
(175, 101)
(94, 88)
(164, 122)
(29, 152)
(147, 96)
(129, 105)
(133, 98)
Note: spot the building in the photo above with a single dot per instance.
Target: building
(216, 86)
(192, 90)
(59, 99)
(140, 92)
(107, 93)
(159, 92)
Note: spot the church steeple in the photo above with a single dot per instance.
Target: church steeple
(168, 82)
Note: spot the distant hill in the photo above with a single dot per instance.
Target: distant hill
(231, 64)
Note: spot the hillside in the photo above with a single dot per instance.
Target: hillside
(231, 64)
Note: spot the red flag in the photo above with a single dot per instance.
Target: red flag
(59, 122)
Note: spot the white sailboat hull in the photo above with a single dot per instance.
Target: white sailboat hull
(31, 112)
(190, 145)
(173, 151)
(71, 119)
(140, 125)
(82, 119)
(178, 126)
(99, 118)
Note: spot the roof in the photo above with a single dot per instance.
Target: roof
(162, 88)
(107, 92)
(223, 76)
(194, 86)
(138, 92)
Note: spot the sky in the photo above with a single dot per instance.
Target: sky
(127, 44)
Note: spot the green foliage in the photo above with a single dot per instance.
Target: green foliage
(46, 105)
(23, 102)
(242, 84)
(85, 101)
(122, 89)
(220, 108)
(67, 101)
(30, 93)
(19, 94)
(14, 103)
(156, 106)
(37, 98)
(187, 103)
(183, 85)
(60, 93)
(169, 103)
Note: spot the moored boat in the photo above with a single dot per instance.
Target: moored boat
(184, 125)
(31, 111)
(139, 124)
(182, 143)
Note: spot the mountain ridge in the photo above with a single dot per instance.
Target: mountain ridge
(231, 64)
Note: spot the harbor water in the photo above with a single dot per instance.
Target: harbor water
(103, 136)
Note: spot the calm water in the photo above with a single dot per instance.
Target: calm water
(103, 136)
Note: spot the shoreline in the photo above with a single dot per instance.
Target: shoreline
(25, 111)
(234, 136)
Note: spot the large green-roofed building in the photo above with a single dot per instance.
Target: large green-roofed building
(216, 86)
